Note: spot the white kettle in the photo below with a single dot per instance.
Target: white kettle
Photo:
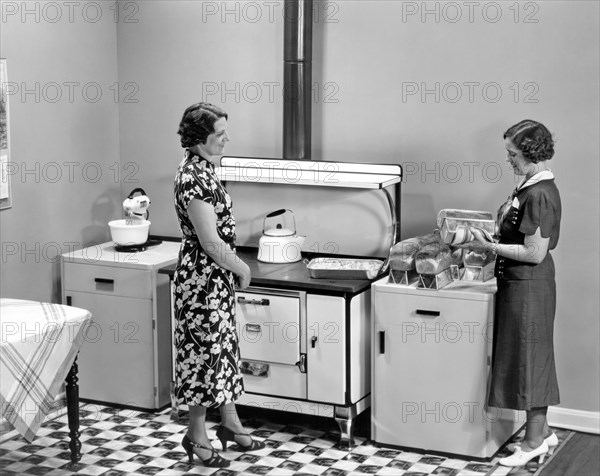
(280, 243)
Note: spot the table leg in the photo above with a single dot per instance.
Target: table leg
(73, 412)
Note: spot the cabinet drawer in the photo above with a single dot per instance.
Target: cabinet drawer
(432, 312)
(268, 327)
(91, 278)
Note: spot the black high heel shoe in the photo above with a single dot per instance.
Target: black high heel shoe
(215, 460)
(225, 434)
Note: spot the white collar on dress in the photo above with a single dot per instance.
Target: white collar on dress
(543, 175)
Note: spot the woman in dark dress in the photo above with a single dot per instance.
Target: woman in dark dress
(207, 373)
(523, 369)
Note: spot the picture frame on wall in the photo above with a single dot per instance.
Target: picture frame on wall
(5, 195)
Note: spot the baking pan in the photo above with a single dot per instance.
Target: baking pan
(344, 268)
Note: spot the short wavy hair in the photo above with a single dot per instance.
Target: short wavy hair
(198, 122)
(533, 139)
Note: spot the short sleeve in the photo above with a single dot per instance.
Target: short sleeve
(538, 211)
(196, 183)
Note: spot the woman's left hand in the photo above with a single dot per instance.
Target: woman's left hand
(479, 244)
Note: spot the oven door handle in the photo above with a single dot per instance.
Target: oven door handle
(258, 302)
(302, 363)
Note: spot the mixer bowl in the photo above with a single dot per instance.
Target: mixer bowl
(125, 235)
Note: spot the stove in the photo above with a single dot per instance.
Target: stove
(304, 342)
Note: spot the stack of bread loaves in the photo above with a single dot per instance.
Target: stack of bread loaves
(434, 253)
(428, 254)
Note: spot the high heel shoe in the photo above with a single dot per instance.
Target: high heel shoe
(551, 441)
(215, 460)
(225, 434)
(521, 458)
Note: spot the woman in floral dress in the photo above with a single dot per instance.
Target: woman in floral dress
(207, 373)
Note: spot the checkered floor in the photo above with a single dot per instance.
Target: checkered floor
(125, 442)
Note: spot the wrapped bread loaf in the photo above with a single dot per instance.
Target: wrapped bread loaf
(402, 254)
(457, 256)
(478, 258)
(454, 225)
(433, 258)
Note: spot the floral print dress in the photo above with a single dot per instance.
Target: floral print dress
(207, 361)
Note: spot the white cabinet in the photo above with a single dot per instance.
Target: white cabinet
(338, 347)
(431, 367)
(126, 355)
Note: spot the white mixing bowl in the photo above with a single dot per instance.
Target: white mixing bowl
(125, 235)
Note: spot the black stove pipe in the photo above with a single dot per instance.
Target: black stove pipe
(297, 79)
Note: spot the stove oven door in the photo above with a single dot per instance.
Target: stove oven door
(270, 327)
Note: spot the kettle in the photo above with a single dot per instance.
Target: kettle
(280, 244)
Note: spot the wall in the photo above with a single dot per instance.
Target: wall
(430, 85)
(62, 72)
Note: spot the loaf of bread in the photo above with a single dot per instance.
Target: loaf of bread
(478, 258)
(457, 256)
(402, 254)
(433, 258)
(462, 214)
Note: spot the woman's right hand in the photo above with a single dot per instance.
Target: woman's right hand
(244, 277)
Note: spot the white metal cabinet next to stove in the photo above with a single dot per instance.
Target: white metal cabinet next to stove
(431, 367)
(126, 355)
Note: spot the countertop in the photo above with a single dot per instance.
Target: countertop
(291, 276)
(105, 254)
(461, 289)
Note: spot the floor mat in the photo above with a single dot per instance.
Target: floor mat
(119, 442)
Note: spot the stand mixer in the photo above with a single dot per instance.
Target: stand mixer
(136, 207)
(131, 234)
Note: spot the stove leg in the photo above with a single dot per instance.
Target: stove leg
(174, 405)
(344, 417)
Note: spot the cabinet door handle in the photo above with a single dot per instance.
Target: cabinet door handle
(69, 300)
(313, 341)
(253, 327)
(382, 342)
(104, 281)
(258, 302)
(426, 312)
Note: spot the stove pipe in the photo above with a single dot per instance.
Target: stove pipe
(297, 79)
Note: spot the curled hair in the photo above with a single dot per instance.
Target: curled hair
(533, 139)
(198, 122)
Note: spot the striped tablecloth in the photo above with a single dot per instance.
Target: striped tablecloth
(38, 344)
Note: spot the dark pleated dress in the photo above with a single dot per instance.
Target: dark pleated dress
(207, 371)
(523, 368)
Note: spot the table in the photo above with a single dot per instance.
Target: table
(39, 343)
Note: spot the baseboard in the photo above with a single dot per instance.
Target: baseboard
(576, 420)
